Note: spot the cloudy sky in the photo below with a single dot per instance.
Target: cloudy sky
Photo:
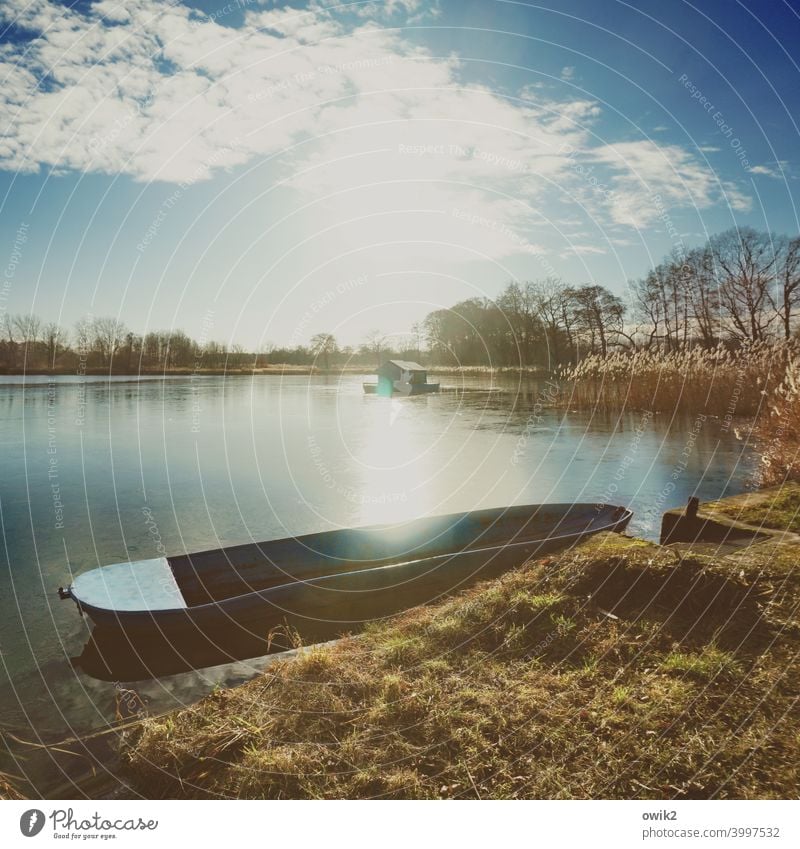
(258, 171)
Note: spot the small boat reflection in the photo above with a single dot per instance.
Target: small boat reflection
(111, 654)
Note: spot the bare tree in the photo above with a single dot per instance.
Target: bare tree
(323, 345)
(567, 304)
(417, 335)
(180, 348)
(554, 303)
(703, 290)
(375, 341)
(599, 314)
(237, 356)
(745, 261)
(55, 338)
(435, 335)
(154, 348)
(10, 341)
(23, 332)
(8, 328)
(28, 328)
(83, 336)
(678, 307)
(649, 307)
(787, 281)
(518, 307)
(107, 337)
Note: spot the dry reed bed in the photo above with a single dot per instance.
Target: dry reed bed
(717, 382)
(536, 371)
(617, 670)
(777, 431)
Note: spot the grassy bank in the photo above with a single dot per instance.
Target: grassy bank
(620, 669)
(777, 508)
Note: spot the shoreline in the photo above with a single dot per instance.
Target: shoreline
(270, 370)
(598, 660)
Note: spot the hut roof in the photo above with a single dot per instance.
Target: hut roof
(407, 365)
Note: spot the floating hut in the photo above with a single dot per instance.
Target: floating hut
(401, 377)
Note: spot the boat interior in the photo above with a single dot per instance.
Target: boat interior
(213, 576)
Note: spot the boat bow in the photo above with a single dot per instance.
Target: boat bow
(136, 585)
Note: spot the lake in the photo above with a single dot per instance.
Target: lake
(99, 470)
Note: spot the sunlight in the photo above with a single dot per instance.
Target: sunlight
(392, 462)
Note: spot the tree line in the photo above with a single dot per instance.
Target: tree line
(742, 286)
(107, 344)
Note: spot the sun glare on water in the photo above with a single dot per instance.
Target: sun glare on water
(396, 464)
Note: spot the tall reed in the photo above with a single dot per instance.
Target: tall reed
(777, 431)
(718, 382)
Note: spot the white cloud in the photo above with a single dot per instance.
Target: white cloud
(414, 10)
(568, 73)
(775, 170)
(156, 92)
(586, 249)
(164, 93)
(647, 179)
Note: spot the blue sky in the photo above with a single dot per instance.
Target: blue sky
(259, 172)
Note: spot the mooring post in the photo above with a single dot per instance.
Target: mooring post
(691, 507)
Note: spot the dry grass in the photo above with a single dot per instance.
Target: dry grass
(777, 432)
(534, 371)
(617, 670)
(9, 787)
(715, 382)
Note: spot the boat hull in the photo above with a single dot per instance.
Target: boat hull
(358, 589)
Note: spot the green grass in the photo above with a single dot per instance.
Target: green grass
(617, 670)
(706, 665)
(777, 508)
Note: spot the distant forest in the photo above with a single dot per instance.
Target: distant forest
(742, 286)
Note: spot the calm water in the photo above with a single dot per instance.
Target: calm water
(102, 471)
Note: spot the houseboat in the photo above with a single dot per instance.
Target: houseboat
(401, 377)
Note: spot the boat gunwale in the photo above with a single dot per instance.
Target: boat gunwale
(499, 512)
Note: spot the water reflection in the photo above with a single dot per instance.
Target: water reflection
(111, 655)
(393, 461)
